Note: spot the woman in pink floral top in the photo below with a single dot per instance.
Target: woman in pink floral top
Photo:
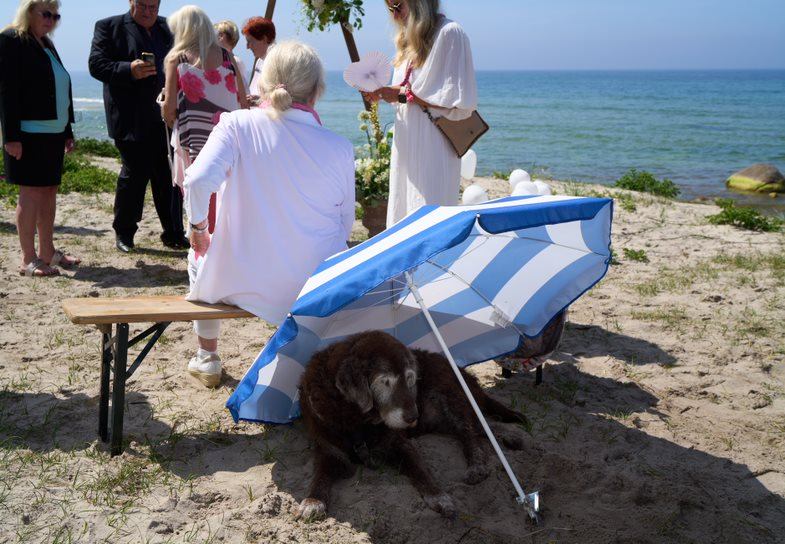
(201, 84)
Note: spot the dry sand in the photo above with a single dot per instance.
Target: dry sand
(661, 417)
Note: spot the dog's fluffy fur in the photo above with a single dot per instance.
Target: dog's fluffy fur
(361, 400)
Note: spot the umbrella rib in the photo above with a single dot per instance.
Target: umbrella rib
(556, 244)
(508, 322)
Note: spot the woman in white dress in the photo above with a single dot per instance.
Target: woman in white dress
(434, 70)
(286, 205)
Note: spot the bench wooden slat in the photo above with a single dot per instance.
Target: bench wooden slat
(145, 309)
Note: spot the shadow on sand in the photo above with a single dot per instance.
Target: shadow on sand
(600, 480)
(604, 475)
(142, 275)
(46, 422)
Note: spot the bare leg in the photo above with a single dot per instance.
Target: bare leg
(26, 215)
(208, 344)
(45, 222)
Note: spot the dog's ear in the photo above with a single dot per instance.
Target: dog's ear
(352, 381)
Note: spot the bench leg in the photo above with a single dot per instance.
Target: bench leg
(118, 389)
(107, 350)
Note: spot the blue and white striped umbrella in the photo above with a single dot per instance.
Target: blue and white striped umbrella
(467, 281)
(488, 274)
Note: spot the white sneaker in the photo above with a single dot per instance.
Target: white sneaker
(206, 367)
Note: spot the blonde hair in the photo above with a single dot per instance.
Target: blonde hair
(416, 34)
(230, 30)
(193, 31)
(21, 22)
(292, 73)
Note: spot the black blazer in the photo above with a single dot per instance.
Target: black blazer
(27, 84)
(131, 111)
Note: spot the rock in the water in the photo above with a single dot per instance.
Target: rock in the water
(760, 178)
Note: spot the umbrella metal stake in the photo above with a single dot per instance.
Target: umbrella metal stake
(530, 502)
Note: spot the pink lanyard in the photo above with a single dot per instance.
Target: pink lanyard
(296, 106)
(406, 84)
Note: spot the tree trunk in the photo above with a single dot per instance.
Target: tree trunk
(348, 37)
(268, 14)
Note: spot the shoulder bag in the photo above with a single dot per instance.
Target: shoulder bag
(461, 134)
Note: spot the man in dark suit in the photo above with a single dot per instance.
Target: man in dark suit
(133, 118)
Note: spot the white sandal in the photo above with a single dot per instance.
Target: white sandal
(57, 259)
(35, 269)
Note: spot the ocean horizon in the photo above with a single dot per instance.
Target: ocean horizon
(695, 127)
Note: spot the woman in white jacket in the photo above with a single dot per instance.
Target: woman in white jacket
(287, 202)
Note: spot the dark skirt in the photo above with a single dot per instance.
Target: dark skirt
(42, 160)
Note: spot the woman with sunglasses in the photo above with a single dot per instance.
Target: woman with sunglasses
(36, 111)
(434, 70)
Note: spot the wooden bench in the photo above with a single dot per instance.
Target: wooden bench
(111, 316)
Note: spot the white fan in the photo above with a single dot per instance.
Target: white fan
(372, 71)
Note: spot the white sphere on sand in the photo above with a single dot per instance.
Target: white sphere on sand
(517, 176)
(474, 194)
(542, 187)
(524, 188)
(468, 164)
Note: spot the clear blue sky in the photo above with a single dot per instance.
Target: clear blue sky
(512, 34)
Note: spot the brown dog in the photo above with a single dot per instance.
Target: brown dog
(363, 397)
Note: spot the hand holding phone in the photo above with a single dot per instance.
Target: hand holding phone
(144, 66)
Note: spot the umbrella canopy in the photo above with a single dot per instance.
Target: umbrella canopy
(489, 274)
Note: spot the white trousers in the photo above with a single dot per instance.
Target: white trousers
(208, 329)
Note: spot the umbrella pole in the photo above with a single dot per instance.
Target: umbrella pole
(530, 502)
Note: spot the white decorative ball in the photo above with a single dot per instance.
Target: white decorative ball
(468, 164)
(518, 175)
(524, 188)
(542, 187)
(474, 194)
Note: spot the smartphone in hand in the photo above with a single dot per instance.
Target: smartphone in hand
(148, 57)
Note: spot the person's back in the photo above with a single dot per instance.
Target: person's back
(286, 200)
(288, 187)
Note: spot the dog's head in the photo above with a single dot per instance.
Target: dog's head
(380, 373)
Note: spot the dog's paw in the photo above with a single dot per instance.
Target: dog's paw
(512, 441)
(441, 503)
(310, 510)
(476, 474)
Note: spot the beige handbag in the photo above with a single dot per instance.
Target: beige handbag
(461, 134)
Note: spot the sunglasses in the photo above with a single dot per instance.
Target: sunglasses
(395, 8)
(49, 15)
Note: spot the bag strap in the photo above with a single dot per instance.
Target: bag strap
(428, 113)
(405, 83)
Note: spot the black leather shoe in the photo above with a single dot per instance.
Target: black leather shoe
(124, 245)
(176, 242)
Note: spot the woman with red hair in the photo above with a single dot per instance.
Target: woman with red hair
(259, 35)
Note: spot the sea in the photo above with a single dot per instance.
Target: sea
(694, 127)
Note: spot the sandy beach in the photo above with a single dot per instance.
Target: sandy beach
(661, 417)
